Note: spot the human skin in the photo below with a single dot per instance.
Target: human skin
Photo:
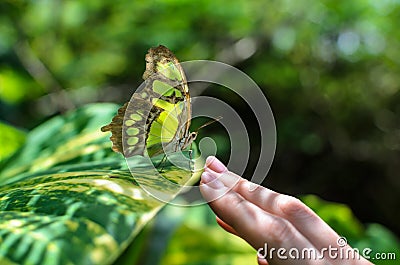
(261, 216)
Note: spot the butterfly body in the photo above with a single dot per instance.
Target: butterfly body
(157, 118)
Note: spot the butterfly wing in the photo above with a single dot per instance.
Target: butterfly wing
(157, 119)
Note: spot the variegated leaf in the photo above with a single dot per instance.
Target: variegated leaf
(66, 198)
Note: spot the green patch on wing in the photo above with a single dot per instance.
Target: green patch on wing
(66, 198)
(170, 71)
(165, 89)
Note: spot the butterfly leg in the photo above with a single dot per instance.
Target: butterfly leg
(191, 164)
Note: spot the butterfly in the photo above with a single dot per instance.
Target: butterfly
(157, 118)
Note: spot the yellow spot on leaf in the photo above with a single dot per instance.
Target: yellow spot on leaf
(15, 223)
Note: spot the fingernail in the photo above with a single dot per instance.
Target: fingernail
(213, 163)
(210, 180)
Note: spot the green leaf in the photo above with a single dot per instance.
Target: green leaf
(380, 240)
(66, 198)
(11, 139)
(187, 235)
(376, 237)
(199, 240)
(16, 87)
(338, 216)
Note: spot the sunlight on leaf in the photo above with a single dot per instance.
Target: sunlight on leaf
(66, 198)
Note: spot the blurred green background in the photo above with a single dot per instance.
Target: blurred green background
(330, 70)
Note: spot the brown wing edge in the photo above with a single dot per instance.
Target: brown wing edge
(115, 127)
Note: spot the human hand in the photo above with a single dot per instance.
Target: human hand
(269, 220)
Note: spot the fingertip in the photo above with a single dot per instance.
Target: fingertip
(214, 164)
(209, 160)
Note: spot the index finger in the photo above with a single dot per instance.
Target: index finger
(298, 214)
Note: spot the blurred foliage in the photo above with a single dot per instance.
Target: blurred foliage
(374, 236)
(198, 236)
(187, 236)
(11, 139)
(328, 68)
(338, 216)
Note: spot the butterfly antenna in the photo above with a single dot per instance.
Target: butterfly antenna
(208, 123)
